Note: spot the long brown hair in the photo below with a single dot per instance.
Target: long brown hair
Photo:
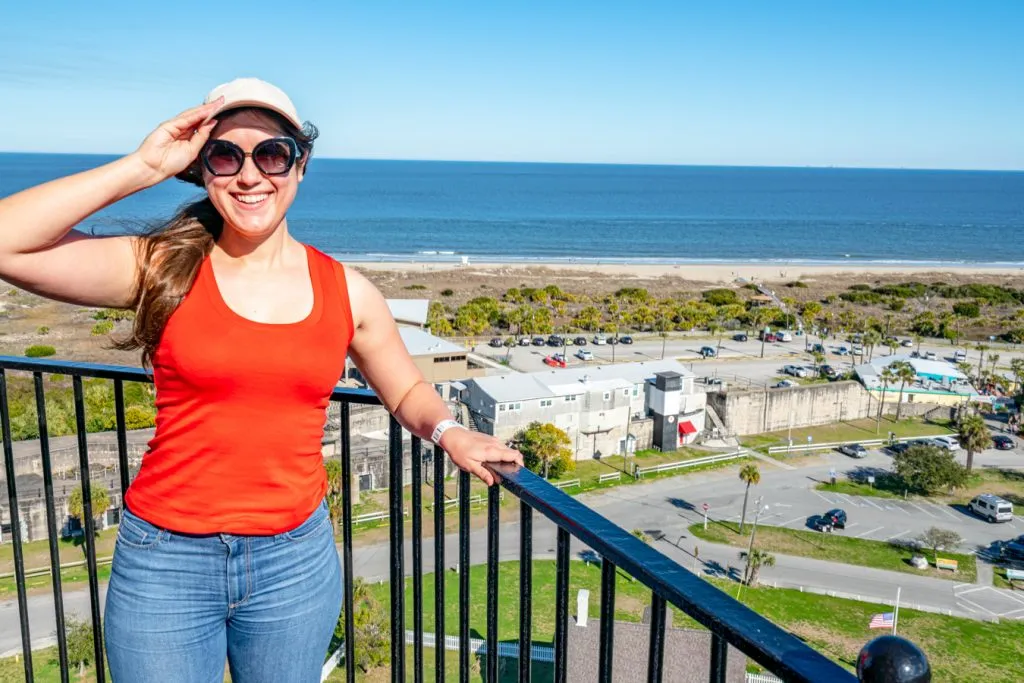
(169, 255)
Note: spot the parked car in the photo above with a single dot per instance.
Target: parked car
(580, 341)
(768, 336)
(613, 340)
(496, 342)
(829, 372)
(818, 348)
(929, 355)
(539, 341)
(854, 450)
(1002, 442)
(600, 339)
(708, 352)
(557, 360)
(960, 356)
(833, 519)
(948, 442)
(907, 343)
(583, 354)
(795, 370)
(555, 340)
(842, 351)
(991, 507)
(1012, 550)
(626, 339)
(739, 337)
(783, 336)
(857, 350)
(784, 384)
(524, 341)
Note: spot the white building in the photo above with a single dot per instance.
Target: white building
(935, 381)
(604, 409)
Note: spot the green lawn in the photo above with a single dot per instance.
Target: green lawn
(835, 547)
(881, 488)
(958, 649)
(508, 669)
(850, 430)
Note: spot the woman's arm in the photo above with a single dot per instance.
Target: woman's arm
(382, 358)
(40, 252)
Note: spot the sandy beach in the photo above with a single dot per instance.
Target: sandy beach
(720, 273)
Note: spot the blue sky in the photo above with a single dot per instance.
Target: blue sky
(879, 84)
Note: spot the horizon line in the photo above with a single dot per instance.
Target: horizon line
(594, 163)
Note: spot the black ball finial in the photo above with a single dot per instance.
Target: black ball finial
(891, 659)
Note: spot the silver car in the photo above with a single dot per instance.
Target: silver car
(854, 450)
(795, 370)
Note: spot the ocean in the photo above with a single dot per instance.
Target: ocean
(515, 212)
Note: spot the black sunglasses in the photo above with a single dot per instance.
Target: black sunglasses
(273, 157)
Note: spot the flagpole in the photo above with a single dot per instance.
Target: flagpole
(896, 611)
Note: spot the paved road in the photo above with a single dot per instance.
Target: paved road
(666, 508)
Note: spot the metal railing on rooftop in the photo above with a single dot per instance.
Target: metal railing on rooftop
(729, 622)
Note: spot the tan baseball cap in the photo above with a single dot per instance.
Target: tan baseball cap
(252, 92)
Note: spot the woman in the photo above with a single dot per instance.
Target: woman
(225, 548)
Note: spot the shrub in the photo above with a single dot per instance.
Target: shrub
(138, 417)
(896, 304)
(447, 292)
(43, 329)
(860, 288)
(967, 309)
(113, 314)
(102, 327)
(720, 297)
(799, 284)
(40, 351)
(415, 287)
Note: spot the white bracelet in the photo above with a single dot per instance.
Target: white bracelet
(442, 427)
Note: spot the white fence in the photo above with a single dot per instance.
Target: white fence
(867, 443)
(762, 678)
(639, 472)
(611, 476)
(374, 517)
(567, 484)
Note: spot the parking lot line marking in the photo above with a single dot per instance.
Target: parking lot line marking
(1010, 614)
(795, 519)
(822, 497)
(972, 588)
(980, 607)
(948, 511)
(872, 503)
(849, 499)
(865, 533)
(898, 507)
(902, 533)
(850, 526)
(923, 510)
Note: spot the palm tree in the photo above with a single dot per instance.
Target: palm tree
(973, 435)
(750, 475)
(981, 348)
(819, 359)
(756, 559)
(888, 377)
(871, 338)
(1017, 368)
(904, 373)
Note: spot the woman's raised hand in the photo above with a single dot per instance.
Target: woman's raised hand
(176, 143)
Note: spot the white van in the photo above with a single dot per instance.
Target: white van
(991, 507)
(960, 356)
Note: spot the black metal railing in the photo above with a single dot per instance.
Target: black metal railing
(729, 622)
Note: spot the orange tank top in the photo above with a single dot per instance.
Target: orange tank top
(241, 410)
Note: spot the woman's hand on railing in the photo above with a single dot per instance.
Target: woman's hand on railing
(469, 450)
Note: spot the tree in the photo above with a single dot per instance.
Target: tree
(819, 360)
(973, 435)
(929, 469)
(1017, 368)
(904, 373)
(100, 501)
(81, 650)
(871, 339)
(372, 625)
(756, 559)
(545, 447)
(888, 377)
(981, 348)
(939, 539)
(749, 474)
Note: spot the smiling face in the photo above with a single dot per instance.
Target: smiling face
(252, 204)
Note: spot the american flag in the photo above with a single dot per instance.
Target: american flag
(881, 620)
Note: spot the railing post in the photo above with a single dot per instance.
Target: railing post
(463, 577)
(493, 512)
(397, 527)
(346, 542)
(12, 501)
(439, 573)
(525, 592)
(417, 559)
(89, 527)
(52, 526)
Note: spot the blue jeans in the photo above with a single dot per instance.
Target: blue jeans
(179, 605)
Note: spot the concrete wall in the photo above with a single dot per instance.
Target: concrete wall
(754, 412)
